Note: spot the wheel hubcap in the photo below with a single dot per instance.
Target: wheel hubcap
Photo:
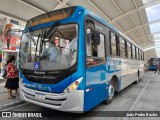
(137, 79)
(111, 91)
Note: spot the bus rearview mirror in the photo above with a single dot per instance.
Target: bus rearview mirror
(96, 37)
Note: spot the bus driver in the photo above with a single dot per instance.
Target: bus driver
(54, 50)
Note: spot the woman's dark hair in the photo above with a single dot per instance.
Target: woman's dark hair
(12, 58)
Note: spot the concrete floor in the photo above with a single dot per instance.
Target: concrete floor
(144, 96)
(4, 96)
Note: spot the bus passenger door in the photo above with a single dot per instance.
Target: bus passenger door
(95, 68)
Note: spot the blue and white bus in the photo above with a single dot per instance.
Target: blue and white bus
(72, 60)
(153, 63)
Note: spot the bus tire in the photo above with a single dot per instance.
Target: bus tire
(111, 92)
(137, 79)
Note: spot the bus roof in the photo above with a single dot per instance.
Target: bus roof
(66, 13)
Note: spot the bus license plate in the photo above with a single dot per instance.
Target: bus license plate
(40, 96)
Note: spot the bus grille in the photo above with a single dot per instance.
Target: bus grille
(50, 98)
(42, 79)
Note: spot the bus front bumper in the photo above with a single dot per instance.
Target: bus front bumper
(72, 102)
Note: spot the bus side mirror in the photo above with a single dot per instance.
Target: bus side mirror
(96, 37)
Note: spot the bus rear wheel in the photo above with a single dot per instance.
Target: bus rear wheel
(137, 79)
(111, 91)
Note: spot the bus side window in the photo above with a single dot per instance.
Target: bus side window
(136, 53)
(133, 51)
(139, 54)
(113, 44)
(122, 47)
(88, 43)
(129, 50)
(95, 48)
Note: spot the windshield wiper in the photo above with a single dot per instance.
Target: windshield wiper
(36, 47)
(42, 42)
(45, 35)
(50, 30)
(33, 40)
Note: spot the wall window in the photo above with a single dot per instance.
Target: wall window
(113, 44)
(95, 47)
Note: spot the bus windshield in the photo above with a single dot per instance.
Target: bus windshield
(54, 49)
(155, 61)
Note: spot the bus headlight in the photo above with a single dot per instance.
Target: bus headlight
(72, 87)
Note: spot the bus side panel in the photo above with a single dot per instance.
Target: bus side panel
(130, 70)
(126, 70)
(95, 86)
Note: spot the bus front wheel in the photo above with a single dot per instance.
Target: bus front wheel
(110, 94)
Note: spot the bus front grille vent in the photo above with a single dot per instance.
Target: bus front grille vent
(55, 101)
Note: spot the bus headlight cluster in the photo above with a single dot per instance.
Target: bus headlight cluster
(72, 87)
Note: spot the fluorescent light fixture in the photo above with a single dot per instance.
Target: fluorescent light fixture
(153, 47)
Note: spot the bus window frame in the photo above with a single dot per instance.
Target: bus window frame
(93, 57)
(85, 31)
(129, 50)
(121, 47)
(75, 65)
(117, 43)
(107, 41)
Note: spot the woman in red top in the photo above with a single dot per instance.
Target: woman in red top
(12, 77)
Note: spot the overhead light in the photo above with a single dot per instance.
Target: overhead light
(153, 47)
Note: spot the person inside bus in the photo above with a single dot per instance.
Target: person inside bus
(54, 50)
(94, 50)
(45, 54)
(73, 49)
(64, 58)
